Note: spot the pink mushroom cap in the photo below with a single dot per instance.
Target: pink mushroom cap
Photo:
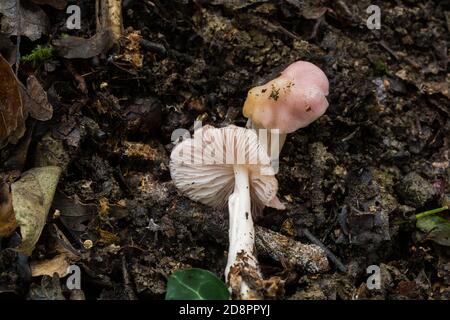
(292, 101)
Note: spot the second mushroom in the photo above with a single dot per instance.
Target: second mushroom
(221, 165)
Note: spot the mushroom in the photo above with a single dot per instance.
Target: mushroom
(283, 105)
(221, 165)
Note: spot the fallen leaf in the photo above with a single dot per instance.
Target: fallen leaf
(32, 197)
(196, 284)
(12, 118)
(33, 20)
(35, 98)
(107, 237)
(75, 47)
(58, 264)
(60, 244)
(8, 221)
(434, 228)
(75, 215)
(58, 4)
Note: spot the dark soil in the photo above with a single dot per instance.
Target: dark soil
(354, 179)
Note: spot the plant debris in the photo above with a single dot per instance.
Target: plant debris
(106, 104)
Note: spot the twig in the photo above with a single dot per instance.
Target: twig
(329, 254)
(126, 279)
(312, 258)
(386, 47)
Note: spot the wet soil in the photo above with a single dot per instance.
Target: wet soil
(353, 179)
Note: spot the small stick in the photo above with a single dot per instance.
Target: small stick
(126, 280)
(329, 254)
(311, 258)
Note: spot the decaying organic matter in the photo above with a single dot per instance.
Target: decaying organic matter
(352, 182)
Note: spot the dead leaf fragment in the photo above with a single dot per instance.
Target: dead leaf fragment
(8, 221)
(75, 47)
(107, 237)
(435, 228)
(75, 216)
(33, 20)
(32, 197)
(58, 264)
(35, 100)
(12, 117)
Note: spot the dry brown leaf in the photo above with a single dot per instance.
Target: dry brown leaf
(12, 118)
(60, 244)
(75, 216)
(8, 221)
(75, 47)
(34, 21)
(32, 197)
(59, 264)
(107, 237)
(35, 99)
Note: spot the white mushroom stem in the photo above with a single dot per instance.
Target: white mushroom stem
(242, 235)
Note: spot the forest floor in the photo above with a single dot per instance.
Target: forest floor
(354, 179)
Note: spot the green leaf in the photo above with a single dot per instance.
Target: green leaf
(196, 284)
(434, 228)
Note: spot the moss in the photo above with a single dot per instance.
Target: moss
(381, 67)
(39, 55)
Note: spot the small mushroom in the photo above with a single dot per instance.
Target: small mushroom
(221, 165)
(283, 105)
